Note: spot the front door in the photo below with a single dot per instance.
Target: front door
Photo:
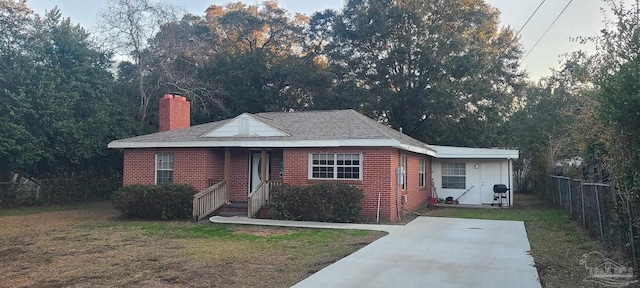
(256, 164)
(490, 176)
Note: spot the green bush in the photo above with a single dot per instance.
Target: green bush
(325, 202)
(159, 202)
(288, 202)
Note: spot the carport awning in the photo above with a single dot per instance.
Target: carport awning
(449, 152)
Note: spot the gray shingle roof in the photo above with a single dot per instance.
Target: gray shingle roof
(301, 126)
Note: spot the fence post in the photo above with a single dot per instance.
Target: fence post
(599, 214)
(553, 190)
(570, 198)
(560, 193)
(632, 240)
(584, 221)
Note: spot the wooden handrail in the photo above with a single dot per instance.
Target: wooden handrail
(209, 200)
(260, 196)
(256, 199)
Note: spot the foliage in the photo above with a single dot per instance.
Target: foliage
(326, 202)
(57, 115)
(288, 202)
(618, 81)
(238, 58)
(160, 202)
(57, 191)
(128, 25)
(442, 70)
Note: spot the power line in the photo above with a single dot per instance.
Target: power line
(515, 37)
(545, 32)
(527, 22)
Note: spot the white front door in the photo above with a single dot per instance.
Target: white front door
(256, 164)
(490, 176)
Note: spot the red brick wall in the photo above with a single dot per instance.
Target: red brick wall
(173, 113)
(274, 168)
(193, 166)
(416, 195)
(376, 178)
(239, 186)
(379, 176)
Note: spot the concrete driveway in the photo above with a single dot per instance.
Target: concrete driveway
(438, 252)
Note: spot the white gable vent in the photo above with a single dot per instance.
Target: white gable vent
(245, 125)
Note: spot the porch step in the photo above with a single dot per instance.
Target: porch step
(233, 209)
(233, 214)
(237, 204)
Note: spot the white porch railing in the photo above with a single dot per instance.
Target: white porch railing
(210, 199)
(260, 196)
(257, 198)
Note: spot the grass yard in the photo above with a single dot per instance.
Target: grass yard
(557, 244)
(87, 246)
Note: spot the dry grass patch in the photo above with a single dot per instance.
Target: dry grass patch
(92, 248)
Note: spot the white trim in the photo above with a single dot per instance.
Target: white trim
(335, 165)
(404, 164)
(155, 180)
(420, 150)
(422, 175)
(155, 169)
(451, 152)
(442, 175)
(123, 144)
(260, 143)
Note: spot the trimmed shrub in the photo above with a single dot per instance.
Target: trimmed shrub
(158, 202)
(288, 202)
(325, 202)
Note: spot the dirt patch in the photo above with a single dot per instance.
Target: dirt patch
(261, 231)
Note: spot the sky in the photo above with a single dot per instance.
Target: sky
(582, 18)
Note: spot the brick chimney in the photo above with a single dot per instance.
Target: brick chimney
(174, 112)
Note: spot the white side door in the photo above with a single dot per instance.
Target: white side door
(490, 176)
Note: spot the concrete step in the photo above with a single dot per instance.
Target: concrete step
(233, 214)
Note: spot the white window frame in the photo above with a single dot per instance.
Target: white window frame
(157, 168)
(403, 164)
(335, 166)
(445, 173)
(422, 175)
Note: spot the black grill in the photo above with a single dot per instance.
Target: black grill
(500, 188)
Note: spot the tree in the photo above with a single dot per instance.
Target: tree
(128, 25)
(618, 86)
(57, 115)
(441, 70)
(238, 58)
(17, 145)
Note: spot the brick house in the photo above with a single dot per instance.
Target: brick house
(238, 159)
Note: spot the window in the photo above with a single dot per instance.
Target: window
(335, 166)
(453, 176)
(403, 164)
(164, 168)
(421, 172)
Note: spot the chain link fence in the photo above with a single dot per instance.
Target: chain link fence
(601, 210)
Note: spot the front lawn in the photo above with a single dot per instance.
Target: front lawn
(557, 244)
(88, 246)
